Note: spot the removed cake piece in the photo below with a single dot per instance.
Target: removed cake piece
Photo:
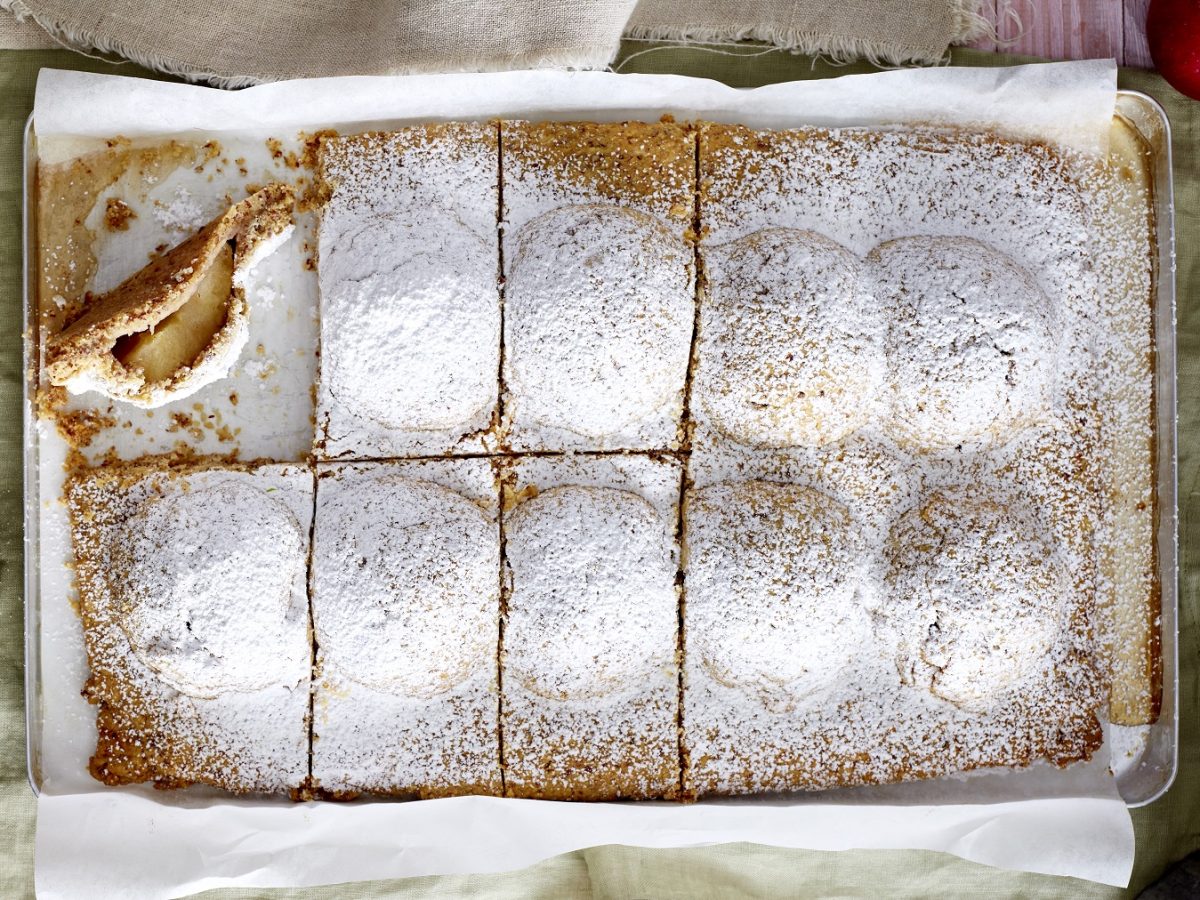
(410, 303)
(406, 607)
(599, 283)
(180, 323)
(195, 615)
(589, 651)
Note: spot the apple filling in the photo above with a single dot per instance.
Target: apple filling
(166, 347)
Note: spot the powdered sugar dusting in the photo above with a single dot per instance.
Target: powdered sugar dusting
(763, 557)
(590, 674)
(594, 545)
(199, 678)
(406, 602)
(598, 315)
(410, 309)
(792, 332)
(182, 213)
(978, 597)
(900, 438)
(599, 283)
(208, 580)
(979, 256)
(392, 593)
(971, 346)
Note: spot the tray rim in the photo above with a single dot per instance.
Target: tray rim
(1166, 461)
(1166, 430)
(31, 495)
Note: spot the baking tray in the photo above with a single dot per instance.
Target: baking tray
(1142, 777)
(1147, 774)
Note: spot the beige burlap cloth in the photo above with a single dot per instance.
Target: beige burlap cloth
(235, 42)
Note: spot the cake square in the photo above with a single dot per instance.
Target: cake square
(589, 648)
(838, 264)
(406, 607)
(195, 615)
(846, 624)
(410, 300)
(599, 283)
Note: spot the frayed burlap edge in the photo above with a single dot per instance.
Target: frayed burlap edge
(968, 24)
(87, 42)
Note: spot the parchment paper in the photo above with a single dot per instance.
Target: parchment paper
(140, 842)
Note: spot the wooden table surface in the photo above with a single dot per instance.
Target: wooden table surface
(1072, 29)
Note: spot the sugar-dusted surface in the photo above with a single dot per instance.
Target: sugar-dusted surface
(981, 259)
(857, 452)
(590, 674)
(775, 562)
(1066, 237)
(410, 304)
(773, 610)
(1066, 241)
(970, 351)
(598, 315)
(195, 615)
(980, 600)
(789, 342)
(599, 283)
(406, 604)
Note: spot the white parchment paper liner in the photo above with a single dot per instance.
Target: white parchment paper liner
(139, 842)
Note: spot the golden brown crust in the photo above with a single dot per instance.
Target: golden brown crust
(1135, 607)
(620, 162)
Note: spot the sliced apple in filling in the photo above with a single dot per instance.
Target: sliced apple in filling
(179, 323)
(181, 337)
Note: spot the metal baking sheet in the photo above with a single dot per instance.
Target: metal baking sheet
(1147, 772)
(1148, 766)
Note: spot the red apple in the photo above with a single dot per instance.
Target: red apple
(1173, 30)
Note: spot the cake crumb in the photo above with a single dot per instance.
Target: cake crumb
(117, 214)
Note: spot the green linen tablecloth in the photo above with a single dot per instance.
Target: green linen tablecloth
(1166, 830)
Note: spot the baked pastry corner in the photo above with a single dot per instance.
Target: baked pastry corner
(179, 323)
